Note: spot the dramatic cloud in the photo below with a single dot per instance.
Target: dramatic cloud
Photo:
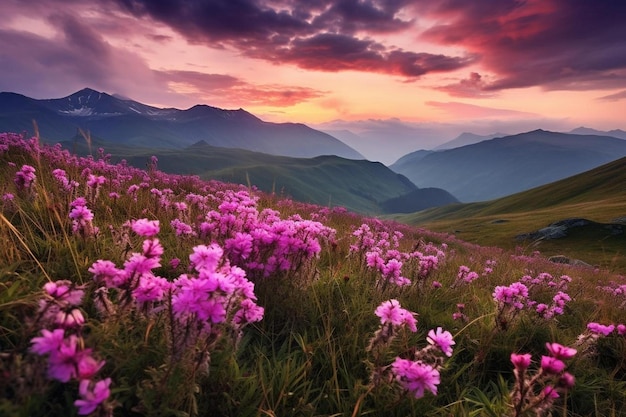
(231, 91)
(555, 44)
(321, 35)
(474, 86)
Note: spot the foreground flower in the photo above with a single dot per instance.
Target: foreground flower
(521, 362)
(92, 395)
(560, 352)
(415, 376)
(442, 339)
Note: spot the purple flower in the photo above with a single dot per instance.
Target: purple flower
(88, 366)
(416, 377)
(442, 339)
(391, 312)
(25, 177)
(600, 329)
(145, 227)
(64, 292)
(206, 257)
(567, 380)
(521, 362)
(560, 352)
(92, 395)
(552, 365)
(48, 342)
(62, 363)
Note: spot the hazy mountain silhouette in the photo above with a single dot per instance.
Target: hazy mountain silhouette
(120, 120)
(507, 165)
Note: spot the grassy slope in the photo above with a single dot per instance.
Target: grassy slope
(325, 180)
(307, 356)
(598, 195)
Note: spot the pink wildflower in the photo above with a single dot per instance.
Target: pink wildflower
(145, 227)
(92, 395)
(521, 362)
(552, 365)
(560, 352)
(601, 329)
(48, 342)
(416, 377)
(442, 339)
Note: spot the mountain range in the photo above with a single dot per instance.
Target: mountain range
(498, 167)
(468, 168)
(359, 185)
(120, 120)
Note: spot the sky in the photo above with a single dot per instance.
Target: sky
(399, 74)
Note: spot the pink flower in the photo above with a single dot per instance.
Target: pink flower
(145, 227)
(601, 328)
(62, 363)
(521, 361)
(88, 366)
(48, 342)
(550, 392)
(206, 257)
(552, 365)
(442, 339)
(92, 395)
(416, 377)
(621, 329)
(64, 292)
(436, 284)
(560, 352)
(69, 319)
(390, 312)
(567, 380)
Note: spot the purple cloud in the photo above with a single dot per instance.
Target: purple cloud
(556, 44)
(321, 35)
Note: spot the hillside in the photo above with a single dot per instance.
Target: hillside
(598, 195)
(129, 122)
(359, 185)
(131, 292)
(502, 166)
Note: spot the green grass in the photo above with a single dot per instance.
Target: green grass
(358, 185)
(598, 195)
(308, 356)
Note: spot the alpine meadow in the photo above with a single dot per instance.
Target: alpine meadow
(131, 292)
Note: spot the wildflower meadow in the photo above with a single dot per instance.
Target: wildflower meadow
(131, 292)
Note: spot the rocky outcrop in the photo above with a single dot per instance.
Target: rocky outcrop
(562, 259)
(561, 229)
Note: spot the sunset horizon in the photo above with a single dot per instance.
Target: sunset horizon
(553, 65)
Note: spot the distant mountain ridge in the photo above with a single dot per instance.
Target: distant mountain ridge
(498, 167)
(616, 133)
(359, 185)
(120, 120)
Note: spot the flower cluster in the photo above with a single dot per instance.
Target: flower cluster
(465, 276)
(82, 218)
(214, 298)
(537, 392)
(25, 177)
(525, 295)
(64, 346)
(587, 341)
(420, 372)
(379, 250)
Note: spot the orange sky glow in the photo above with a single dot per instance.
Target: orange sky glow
(555, 62)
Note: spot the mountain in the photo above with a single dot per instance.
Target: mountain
(598, 195)
(467, 138)
(616, 133)
(120, 120)
(503, 166)
(359, 185)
